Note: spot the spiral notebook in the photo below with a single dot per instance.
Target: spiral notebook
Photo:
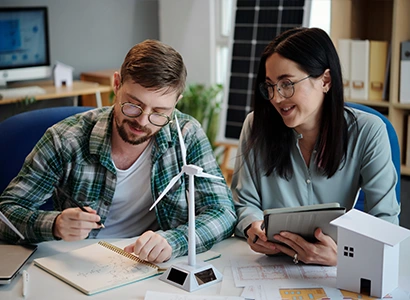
(98, 267)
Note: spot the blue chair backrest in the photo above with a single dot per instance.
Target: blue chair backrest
(20, 133)
(394, 146)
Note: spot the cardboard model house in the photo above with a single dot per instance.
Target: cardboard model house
(368, 253)
(62, 74)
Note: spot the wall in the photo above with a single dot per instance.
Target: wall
(95, 34)
(189, 26)
(91, 35)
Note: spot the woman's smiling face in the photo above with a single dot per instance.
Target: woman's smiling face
(303, 109)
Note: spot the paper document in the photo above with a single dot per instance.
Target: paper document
(228, 284)
(260, 292)
(150, 295)
(255, 292)
(280, 272)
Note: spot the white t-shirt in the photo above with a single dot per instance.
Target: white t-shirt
(129, 214)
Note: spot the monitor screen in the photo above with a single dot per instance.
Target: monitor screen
(24, 47)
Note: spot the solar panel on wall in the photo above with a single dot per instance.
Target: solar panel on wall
(256, 24)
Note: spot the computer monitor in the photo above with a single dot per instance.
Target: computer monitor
(24, 46)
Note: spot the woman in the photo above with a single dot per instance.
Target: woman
(302, 146)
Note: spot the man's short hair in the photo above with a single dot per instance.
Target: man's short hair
(155, 65)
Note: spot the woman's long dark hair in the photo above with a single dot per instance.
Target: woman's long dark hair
(270, 139)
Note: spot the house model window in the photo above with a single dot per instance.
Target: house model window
(348, 251)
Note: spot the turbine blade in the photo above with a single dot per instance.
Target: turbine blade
(169, 186)
(208, 176)
(9, 224)
(181, 142)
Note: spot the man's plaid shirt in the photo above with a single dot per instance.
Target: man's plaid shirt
(75, 156)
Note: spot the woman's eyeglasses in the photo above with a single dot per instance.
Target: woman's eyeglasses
(285, 87)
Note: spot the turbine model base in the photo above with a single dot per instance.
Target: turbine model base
(191, 278)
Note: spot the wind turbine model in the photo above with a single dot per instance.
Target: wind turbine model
(9, 224)
(191, 276)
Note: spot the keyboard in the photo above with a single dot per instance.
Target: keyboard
(21, 92)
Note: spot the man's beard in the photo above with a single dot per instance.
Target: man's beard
(130, 139)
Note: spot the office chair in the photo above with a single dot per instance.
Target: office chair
(20, 133)
(394, 146)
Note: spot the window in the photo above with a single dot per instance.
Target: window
(348, 251)
(244, 28)
(224, 12)
(320, 14)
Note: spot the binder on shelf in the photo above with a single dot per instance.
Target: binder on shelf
(405, 72)
(359, 69)
(386, 88)
(344, 47)
(407, 141)
(377, 69)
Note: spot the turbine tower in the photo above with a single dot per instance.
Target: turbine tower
(191, 276)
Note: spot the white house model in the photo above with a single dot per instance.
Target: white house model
(368, 253)
(62, 74)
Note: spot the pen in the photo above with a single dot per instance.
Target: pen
(255, 239)
(79, 205)
(25, 282)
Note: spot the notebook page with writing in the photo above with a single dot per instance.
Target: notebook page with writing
(97, 268)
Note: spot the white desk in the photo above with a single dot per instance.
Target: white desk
(45, 286)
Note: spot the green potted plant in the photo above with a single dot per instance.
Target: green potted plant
(204, 104)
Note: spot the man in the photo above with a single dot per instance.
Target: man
(116, 161)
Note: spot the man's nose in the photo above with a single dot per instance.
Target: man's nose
(143, 119)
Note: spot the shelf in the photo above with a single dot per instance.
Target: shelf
(405, 106)
(379, 20)
(405, 170)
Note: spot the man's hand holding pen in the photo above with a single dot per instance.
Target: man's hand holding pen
(80, 206)
(73, 224)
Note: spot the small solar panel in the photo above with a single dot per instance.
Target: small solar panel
(257, 23)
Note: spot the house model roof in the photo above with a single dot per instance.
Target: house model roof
(372, 227)
(60, 64)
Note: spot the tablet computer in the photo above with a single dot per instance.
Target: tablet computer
(303, 220)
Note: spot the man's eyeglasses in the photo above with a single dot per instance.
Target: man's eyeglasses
(284, 86)
(134, 111)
